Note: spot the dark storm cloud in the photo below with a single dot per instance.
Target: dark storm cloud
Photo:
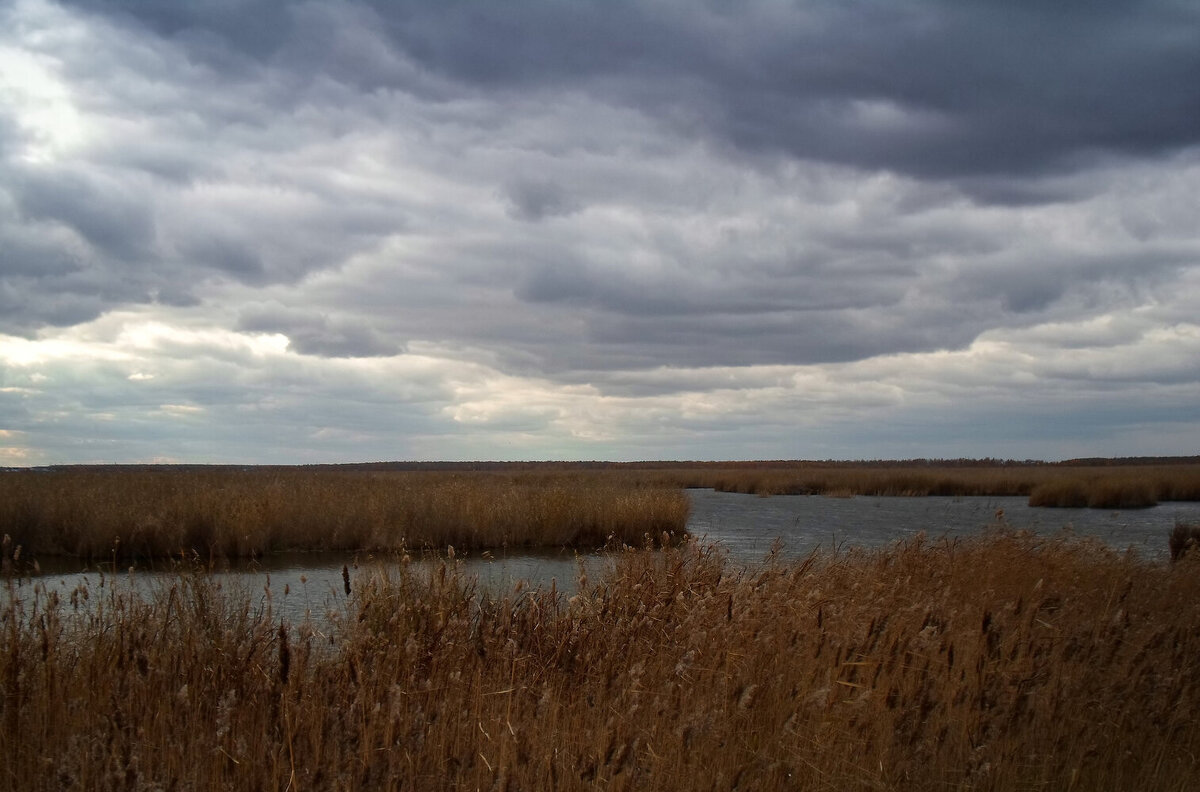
(61, 234)
(113, 222)
(771, 338)
(74, 246)
(310, 333)
(533, 200)
(685, 289)
(934, 89)
(995, 100)
(241, 260)
(1087, 281)
(593, 227)
(543, 307)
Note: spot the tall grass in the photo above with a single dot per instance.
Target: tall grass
(101, 513)
(1002, 663)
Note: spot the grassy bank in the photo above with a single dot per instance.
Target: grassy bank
(102, 513)
(994, 664)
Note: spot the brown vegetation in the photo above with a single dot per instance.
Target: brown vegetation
(1002, 663)
(102, 513)
(120, 512)
(1184, 539)
(1095, 486)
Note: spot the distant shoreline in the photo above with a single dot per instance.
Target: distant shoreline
(666, 464)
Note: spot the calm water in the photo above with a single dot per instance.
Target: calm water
(746, 525)
(303, 585)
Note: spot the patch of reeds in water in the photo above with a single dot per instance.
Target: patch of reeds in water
(1007, 662)
(1106, 487)
(1185, 538)
(112, 513)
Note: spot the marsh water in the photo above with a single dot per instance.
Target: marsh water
(747, 527)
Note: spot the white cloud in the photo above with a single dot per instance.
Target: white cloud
(31, 86)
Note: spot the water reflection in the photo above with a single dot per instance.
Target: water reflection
(297, 586)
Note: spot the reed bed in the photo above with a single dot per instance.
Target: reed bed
(1095, 486)
(115, 513)
(1001, 663)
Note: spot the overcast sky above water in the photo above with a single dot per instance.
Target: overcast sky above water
(270, 231)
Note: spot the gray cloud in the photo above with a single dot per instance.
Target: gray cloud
(535, 200)
(938, 90)
(689, 222)
(319, 334)
(106, 216)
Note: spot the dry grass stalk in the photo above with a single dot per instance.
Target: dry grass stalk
(1008, 662)
(1184, 539)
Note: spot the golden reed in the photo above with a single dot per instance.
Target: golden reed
(112, 513)
(1001, 663)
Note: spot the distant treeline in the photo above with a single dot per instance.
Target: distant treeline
(759, 464)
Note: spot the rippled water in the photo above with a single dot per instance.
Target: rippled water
(747, 525)
(302, 584)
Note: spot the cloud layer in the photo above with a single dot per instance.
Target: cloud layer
(307, 231)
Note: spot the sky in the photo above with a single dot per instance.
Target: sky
(263, 231)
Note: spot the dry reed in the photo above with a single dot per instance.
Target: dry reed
(1095, 486)
(1184, 539)
(107, 513)
(1007, 662)
(116, 513)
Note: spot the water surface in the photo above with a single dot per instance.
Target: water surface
(747, 524)
(299, 585)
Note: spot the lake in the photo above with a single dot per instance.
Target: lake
(746, 526)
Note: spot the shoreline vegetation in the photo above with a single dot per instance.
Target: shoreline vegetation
(116, 514)
(1000, 662)
(119, 512)
(1103, 484)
